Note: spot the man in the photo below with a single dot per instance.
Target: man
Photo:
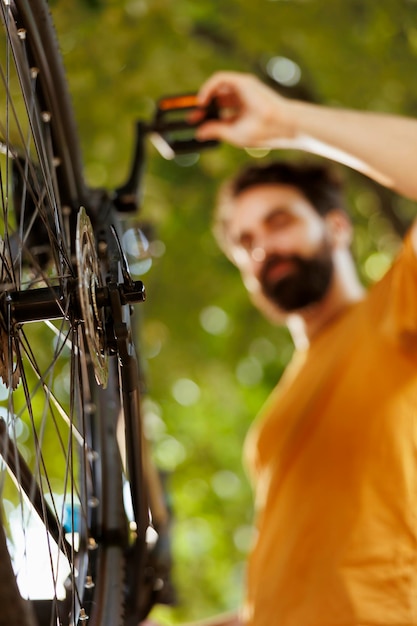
(331, 522)
(333, 456)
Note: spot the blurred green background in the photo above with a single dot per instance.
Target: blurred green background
(210, 358)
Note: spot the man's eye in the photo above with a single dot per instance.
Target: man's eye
(279, 219)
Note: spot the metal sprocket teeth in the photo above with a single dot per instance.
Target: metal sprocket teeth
(89, 279)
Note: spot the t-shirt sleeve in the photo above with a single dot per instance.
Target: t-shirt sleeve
(395, 296)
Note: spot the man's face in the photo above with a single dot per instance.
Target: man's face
(281, 246)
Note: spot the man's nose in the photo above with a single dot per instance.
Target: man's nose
(258, 254)
(264, 244)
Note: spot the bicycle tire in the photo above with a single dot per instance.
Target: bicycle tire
(52, 405)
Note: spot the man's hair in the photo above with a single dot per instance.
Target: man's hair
(321, 185)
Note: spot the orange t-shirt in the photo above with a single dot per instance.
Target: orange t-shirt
(334, 461)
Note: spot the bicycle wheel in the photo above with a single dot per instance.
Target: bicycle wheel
(61, 478)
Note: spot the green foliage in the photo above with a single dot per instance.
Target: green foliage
(210, 358)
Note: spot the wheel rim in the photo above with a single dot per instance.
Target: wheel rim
(46, 398)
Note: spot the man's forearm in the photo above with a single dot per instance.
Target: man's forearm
(380, 145)
(226, 619)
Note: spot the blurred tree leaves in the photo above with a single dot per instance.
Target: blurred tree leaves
(210, 358)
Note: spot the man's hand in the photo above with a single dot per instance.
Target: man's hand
(251, 114)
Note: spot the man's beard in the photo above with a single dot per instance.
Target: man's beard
(306, 284)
